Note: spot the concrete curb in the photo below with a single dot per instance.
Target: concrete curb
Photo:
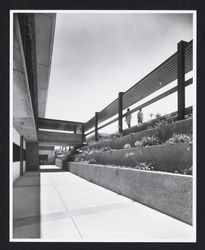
(165, 192)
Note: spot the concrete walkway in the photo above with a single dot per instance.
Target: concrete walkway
(54, 205)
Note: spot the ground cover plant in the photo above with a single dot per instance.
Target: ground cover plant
(179, 138)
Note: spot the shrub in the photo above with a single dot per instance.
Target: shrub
(106, 148)
(91, 161)
(129, 154)
(138, 144)
(150, 140)
(160, 123)
(116, 135)
(158, 115)
(127, 146)
(187, 171)
(144, 166)
(179, 138)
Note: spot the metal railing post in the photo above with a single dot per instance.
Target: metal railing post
(181, 79)
(83, 133)
(96, 126)
(120, 128)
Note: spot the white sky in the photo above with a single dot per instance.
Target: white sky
(96, 55)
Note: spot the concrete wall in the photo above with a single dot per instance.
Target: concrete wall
(165, 192)
(50, 153)
(32, 156)
(60, 163)
(164, 133)
(167, 158)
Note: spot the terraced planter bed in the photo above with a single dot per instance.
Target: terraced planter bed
(166, 192)
(164, 133)
(167, 158)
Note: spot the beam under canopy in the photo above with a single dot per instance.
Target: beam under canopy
(59, 125)
(58, 138)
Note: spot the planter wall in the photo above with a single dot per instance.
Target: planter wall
(168, 158)
(60, 163)
(164, 133)
(165, 192)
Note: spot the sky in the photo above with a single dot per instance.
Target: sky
(97, 55)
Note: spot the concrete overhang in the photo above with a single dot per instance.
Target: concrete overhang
(23, 113)
(44, 27)
(23, 116)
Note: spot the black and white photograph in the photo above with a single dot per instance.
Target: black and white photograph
(102, 126)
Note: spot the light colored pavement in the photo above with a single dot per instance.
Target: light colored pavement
(59, 206)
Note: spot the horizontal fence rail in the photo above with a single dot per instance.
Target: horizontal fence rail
(161, 76)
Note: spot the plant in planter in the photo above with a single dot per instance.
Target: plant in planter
(116, 135)
(187, 171)
(129, 154)
(127, 146)
(180, 138)
(91, 161)
(158, 115)
(106, 148)
(138, 144)
(150, 141)
(144, 166)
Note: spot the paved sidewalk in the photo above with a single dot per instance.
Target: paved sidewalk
(54, 205)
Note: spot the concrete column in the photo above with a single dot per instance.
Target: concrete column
(32, 156)
(181, 79)
(21, 155)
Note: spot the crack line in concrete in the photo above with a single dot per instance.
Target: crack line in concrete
(65, 207)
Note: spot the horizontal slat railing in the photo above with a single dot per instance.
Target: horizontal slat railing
(157, 98)
(161, 76)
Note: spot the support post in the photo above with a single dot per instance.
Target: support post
(74, 130)
(21, 155)
(181, 79)
(83, 133)
(96, 126)
(120, 128)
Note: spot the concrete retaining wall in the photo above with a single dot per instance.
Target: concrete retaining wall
(168, 193)
(60, 163)
(168, 158)
(164, 133)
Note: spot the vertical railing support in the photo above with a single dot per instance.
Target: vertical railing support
(21, 155)
(74, 130)
(96, 126)
(83, 133)
(181, 79)
(120, 128)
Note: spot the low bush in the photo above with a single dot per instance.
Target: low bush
(106, 148)
(138, 144)
(127, 146)
(150, 140)
(187, 171)
(144, 166)
(179, 138)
